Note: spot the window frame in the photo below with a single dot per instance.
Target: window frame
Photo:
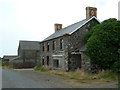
(61, 44)
(48, 46)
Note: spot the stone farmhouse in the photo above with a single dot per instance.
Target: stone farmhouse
(63, 49)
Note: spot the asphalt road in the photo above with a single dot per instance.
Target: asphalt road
(27, 78)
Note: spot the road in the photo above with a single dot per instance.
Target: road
(27, 78)
(30, 79)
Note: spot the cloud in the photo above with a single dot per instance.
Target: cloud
(34, 19)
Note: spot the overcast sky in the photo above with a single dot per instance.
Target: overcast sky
(34, 19)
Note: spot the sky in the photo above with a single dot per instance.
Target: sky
(34, 20)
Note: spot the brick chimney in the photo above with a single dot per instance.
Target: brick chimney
(57, 27)
(91, 11)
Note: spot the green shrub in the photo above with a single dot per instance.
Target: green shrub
(103, 45)
(41, 68)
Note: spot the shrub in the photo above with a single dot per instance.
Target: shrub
(42, 68)
(103, 44)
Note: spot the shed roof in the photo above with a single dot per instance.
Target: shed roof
(9, 56)
(70, 29)
(29, 45)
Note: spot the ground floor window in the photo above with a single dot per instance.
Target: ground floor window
(56, 63)
(48, 60)
(43, 61)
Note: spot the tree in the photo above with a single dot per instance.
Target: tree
(103, 42)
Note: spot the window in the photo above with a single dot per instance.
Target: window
(55, 63)
(61, 44)
(54, 45)
(48, 60)
(43, 47)
(48, 46)
(43, 61)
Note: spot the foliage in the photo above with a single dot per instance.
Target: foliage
(92, 24)
(41, 68)
(0, 62)
(103, 44)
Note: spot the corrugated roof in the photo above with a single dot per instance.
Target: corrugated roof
(29, 45)
(70, 29)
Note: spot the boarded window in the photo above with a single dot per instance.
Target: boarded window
(55, 63)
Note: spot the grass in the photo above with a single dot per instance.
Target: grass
(7, 67)
(41, 68)
(80, 75)
(0, 62)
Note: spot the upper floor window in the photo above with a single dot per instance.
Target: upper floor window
(43, 47)
(61, 44)
(48, 45)
(54, 45)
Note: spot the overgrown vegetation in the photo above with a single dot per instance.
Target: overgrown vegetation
(103, 42)
(41, 68)
(7, 67)
(1, 62)
(4, 65)
(103, 76)
(80, 75)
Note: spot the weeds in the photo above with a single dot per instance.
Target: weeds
(80, 75)
(41, 68)
(7, 67)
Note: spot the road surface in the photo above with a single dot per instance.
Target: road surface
(27, 78)
(30, 79)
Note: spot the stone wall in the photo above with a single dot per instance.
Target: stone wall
(75, 42)
(86, 63)
(57, 53)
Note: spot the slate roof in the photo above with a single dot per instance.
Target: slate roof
(9, 57)
(15, 58)
(70, 29)
(29, 45)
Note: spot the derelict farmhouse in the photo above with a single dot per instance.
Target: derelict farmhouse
(62, 49)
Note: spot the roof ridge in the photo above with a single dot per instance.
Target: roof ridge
(27, 41)
(70, 29)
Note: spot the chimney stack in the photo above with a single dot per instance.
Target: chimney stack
(57, 27)
(90, 12)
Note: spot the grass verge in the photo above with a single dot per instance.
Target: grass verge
(80, 75)
(7, 67)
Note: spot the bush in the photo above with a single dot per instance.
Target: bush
(116, 67)
(41, 68)
(103, 44)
